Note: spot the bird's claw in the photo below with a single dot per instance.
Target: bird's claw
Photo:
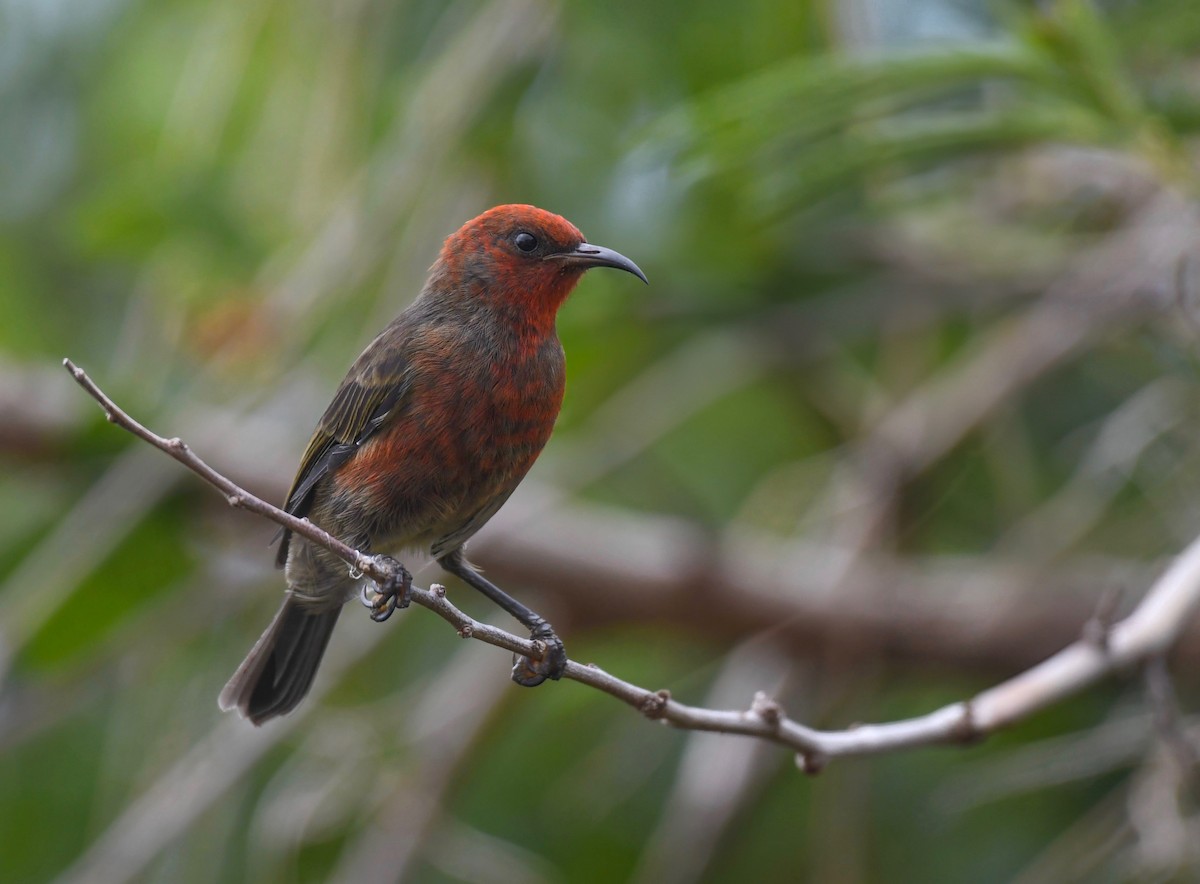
(381, 606)
(530, 673)
(394, 593)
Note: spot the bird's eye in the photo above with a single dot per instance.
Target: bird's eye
(526, 242)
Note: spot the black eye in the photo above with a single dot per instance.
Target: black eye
(526, 242)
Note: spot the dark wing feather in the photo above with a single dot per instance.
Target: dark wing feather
(372, 393)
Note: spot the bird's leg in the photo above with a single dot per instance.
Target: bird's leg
(526, 671)
(392, 594)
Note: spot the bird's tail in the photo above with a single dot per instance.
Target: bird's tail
(279, 669)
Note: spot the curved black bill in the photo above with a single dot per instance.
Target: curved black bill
(588, 255)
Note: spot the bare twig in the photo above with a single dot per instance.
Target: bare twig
(1150, 630)
(990, 614)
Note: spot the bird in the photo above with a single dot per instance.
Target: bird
(429, 433)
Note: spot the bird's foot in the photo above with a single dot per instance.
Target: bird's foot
(530, 673)
(383, 600)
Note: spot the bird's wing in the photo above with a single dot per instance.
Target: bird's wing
(372, 393)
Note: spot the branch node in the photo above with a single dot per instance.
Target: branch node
(76, 372)
(466, 630)
(655, 705)
(965, 731)
(439, 591)
(235, 500)
(767, 710)
(1098, 629)
(812, 763)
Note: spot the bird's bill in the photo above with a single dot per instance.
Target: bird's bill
(588, 255)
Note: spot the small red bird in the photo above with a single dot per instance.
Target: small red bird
(429, 433)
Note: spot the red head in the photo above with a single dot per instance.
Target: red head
(523, 258)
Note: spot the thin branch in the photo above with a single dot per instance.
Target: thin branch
(235, 496)
(1150, 630)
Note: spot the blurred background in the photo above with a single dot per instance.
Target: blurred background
(912, 394)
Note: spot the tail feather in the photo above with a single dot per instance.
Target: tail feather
(280, 668)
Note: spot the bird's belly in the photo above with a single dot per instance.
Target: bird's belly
(423, 481)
